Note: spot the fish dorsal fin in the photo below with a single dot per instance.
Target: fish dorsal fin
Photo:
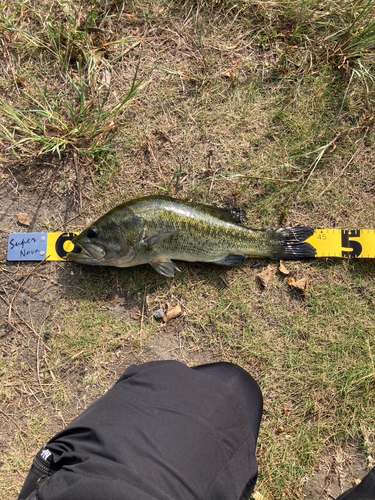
(154, 240)
(164, 266)
(224, 214)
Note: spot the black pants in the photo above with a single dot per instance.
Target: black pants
(164, 431)
(242, 384)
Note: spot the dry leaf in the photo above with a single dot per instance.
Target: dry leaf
(230, 47)
(265, 276)
(301, 284)
(283, 269)
(258, 496)
(23, 219)
(172, 312)
(106, 78)
(132, 19)
(135, 313)
(233, 71)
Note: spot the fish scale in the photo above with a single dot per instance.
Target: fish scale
(157, 229)
(196, 236)
(196, 232)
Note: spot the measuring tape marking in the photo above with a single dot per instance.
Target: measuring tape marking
(343, 243)
(339, 243)
(40, 246)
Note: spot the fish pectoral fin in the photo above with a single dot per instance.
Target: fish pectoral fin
(164, 266)
(153, 240)
(231, 260)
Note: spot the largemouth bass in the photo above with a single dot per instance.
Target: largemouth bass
(158, 229)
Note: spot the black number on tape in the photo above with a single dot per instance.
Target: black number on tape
(59, 245)
(347, 242)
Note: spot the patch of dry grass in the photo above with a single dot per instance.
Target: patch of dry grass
(245, 105)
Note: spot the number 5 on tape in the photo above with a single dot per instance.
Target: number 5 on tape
(344, 243)
(40, 246)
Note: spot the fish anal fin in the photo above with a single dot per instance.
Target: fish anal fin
(231, 260)
(158, 238)
(164, 266)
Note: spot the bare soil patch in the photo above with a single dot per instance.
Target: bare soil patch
(42, 393)
(238, 103)
(341, 470)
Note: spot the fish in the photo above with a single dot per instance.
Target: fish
(158, 230)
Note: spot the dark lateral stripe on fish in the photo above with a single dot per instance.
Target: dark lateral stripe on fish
(292, 244)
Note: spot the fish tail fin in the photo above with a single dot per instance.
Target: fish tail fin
(290, 243)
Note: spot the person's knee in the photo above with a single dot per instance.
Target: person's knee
(234, 376)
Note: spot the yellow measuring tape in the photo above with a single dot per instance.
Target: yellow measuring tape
(40, 246)
(349, 243)
(341, 243)
(58, 245)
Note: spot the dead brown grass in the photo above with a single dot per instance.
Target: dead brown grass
(233, 112)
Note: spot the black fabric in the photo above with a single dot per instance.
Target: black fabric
(365, 490)
(33, 496)
(42, 468)
(163, 432)
(29, 485)
(240, 382)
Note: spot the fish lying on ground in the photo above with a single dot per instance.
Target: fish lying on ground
(156, 229)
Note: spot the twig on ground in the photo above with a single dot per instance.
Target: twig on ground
(75, 161)
(14, 422)
(19, 288)
(143, 315)
(336, 178)
(25, 322)
(342, 171)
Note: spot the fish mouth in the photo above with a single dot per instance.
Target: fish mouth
(88, 252)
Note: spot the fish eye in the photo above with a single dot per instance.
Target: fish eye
(91, 233)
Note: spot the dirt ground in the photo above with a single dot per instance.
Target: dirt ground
(32, 303)
(32, 307)
(341, 470)
(227, 116)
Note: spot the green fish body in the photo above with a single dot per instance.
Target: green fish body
(159, 229)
